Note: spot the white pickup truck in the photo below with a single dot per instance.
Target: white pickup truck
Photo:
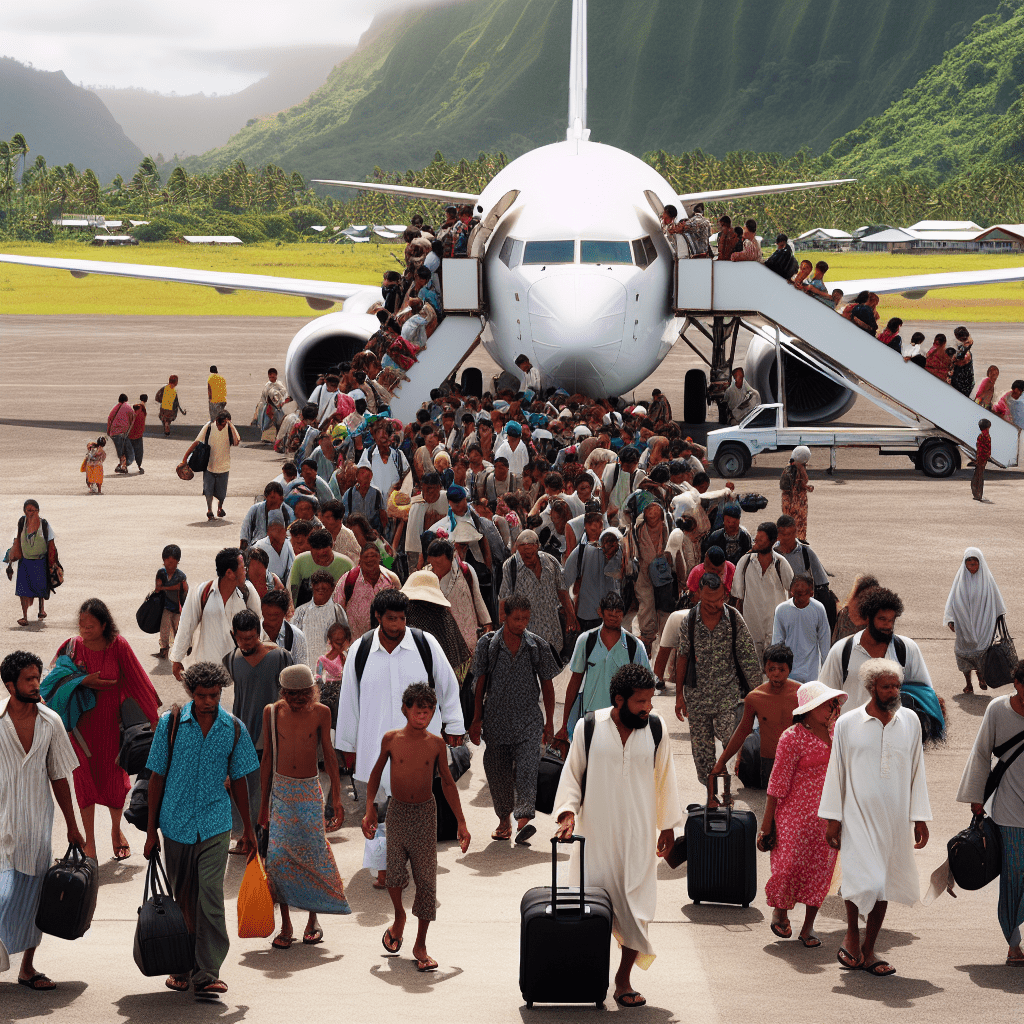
(732, 449)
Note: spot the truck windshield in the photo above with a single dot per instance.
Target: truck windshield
(764, 418)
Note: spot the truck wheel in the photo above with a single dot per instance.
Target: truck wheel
(731, 460)
(939, 458)
(695, 396)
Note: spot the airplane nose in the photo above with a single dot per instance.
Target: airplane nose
(577, 322)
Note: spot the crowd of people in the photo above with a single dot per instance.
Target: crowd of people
(403, 588)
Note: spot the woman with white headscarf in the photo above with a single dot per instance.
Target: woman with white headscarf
(794, 496)
(972, 610)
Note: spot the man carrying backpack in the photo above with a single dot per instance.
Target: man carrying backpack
(599, 654)
(513, 668)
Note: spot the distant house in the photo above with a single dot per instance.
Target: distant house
(1002, 238)
(921, 240)
(114, 240)
(945, 226)
(890, 240)
(823, 239)
(212, 240)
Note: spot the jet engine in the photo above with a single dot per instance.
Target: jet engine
(811, 397)
(325, 342)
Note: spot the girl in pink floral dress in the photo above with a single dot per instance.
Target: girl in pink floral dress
(802, 862)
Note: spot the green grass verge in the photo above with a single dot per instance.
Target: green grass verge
(29, 291)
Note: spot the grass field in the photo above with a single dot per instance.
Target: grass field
(28, 291)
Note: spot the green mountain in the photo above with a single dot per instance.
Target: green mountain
(965, 111)
(64, 122)
(719, 76)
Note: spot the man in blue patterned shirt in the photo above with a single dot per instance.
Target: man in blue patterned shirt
(188, 801)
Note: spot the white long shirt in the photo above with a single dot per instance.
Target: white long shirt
(213, 623)
(386, 475)
(761, 591)
(517, 459)
(26, 803)
(631, 797)
(831, 674)
(373, 706)
(876, 786)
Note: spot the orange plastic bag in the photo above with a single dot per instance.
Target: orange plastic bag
(255, 902)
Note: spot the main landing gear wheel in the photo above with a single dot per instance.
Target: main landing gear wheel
(732, 460)
(939, 458)
(695, 396)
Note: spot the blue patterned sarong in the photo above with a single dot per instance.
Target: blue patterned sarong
(1011, 884)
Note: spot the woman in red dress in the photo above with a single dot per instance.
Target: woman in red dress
(115, 674)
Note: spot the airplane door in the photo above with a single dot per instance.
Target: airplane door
(656, 204)
(486, 226)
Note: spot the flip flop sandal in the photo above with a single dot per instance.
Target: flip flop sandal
(395, 944)
(317, 935)
(525, 833)
(221, 513)
(209, 515)
(782, 932)
(425, 965)
(177, 984)
(283, 943)
(855, 963)
(638, 1000)
(887, 969)
(38, 983)
(118, 855)
(501, 835)
(811, 942)
(211, 990)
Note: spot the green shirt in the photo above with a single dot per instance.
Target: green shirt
(303, 567)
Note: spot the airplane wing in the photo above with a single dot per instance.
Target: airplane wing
(917, 285)
(403, 190)
(318, 294)
(757, 190)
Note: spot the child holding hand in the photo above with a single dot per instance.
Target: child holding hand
(92, 464)
(414, 753)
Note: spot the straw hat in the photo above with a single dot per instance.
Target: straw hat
(814, 694)
(184, 471)
(423, 585)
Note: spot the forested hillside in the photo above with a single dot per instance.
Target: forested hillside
(719, 75)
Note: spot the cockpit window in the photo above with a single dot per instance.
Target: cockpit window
(605, 252)
(561, 251)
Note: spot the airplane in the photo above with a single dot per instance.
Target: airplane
(577, 275)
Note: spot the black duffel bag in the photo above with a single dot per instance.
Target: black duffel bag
(200, 457)
(150, 612)
(548, 775)
(1000, 661)
(68, 897)
(162, 942)
(136, 738)
(976, 854)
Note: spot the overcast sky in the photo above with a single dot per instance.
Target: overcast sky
(184, 47)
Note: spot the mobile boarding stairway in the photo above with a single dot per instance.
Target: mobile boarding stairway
(938, 418)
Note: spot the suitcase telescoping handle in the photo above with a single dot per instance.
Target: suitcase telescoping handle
(726, 800)
(554, 874)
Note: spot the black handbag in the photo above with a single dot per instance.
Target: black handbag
(136, 738)
(150, 612)
(976, 853)
(200, 457)
(1000, 660)
(68, 897)
(55, 575)
(549, 773)
(162, 942)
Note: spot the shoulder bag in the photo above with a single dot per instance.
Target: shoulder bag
(200, 457)
(162, 941)
(1000, 660)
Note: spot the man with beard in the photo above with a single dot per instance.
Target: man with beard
(620, 782)
(875, 798)
(36, 757)
(760, 585)
(254, 666)
(880, 608)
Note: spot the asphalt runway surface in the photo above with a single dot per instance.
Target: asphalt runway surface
(715, 963)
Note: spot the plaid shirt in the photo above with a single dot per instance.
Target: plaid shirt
(983, 446)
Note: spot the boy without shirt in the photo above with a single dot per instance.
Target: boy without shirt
(300, 866)
(412, 816)
(773, 704)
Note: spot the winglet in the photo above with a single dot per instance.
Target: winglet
(578, 129)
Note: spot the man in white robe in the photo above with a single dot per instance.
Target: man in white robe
(36, 757)
(371, 705)
(630, 809)
(875, 800)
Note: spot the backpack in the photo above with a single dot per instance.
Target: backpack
(691, 625)
(200, 457)
(897, 645)
(422, 647)
(378, 503)
(777, 562)
(160, 394)
(494, 649)
(208, 590)
(788, 478)
(588, 736)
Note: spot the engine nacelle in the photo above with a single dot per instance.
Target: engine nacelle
(811, 397)
(327, 341)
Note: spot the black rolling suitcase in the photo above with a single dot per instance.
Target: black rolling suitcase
(721, 852)
(548, 775)
(68, 897)
(162, 942)
(565, 940)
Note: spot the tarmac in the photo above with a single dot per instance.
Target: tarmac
(715, 963)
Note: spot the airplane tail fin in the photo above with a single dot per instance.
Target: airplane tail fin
(577, 128)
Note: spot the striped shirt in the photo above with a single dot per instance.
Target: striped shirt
(26, 803)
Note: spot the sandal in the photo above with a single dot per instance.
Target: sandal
(42, 615)
(221, 513)
(390, 943)
(502, 834)
(887, 969)
(635, 999)
(122, 851)
(177, 984)
(209, 515)
(526, 833)
(39, 982)
(313, 937)
(283, 942)
(22, 622)
(811, 942)
(211, 988)
(847, 961)
(426, 964)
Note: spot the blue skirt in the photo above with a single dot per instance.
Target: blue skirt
(19, 902)
(1011, 884)
(32, 578)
